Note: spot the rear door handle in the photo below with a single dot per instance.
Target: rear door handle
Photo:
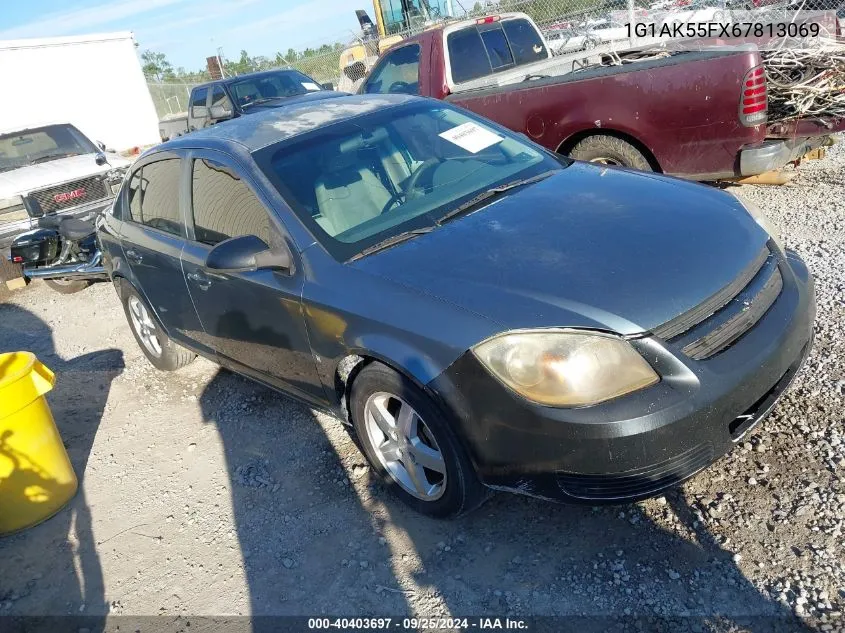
(134, 256)
(199, 279)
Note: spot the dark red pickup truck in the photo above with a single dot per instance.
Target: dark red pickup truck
(700, 115)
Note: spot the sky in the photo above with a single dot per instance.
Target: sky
(188, 31)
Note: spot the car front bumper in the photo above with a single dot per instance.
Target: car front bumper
(637, 445)
(775, 153)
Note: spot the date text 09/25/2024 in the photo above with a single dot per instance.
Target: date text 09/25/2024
(720, 30)
(415, 624)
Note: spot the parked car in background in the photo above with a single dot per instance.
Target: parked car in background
(229, 98)
(53, 170)
(568, 40)
(696, 114)
(489, 313)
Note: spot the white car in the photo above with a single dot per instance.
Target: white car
(562, 41)
(605, 31)
(53, 170)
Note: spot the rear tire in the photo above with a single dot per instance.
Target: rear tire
(610, 150)
(159, 349)
(67, 287)
(431, 442)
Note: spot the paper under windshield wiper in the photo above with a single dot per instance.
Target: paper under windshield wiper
(391, 241)
(491, 193)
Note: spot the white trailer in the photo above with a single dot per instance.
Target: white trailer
(94, 82)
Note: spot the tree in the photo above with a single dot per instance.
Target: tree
(156, 66)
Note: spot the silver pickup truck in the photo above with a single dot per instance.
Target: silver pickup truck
(53, 170)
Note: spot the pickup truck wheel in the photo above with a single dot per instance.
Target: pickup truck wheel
(610, 150)
(162, 352)
(411, 445)
(67, 286)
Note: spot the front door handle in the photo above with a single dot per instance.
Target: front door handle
(134, 256)
(199, 279)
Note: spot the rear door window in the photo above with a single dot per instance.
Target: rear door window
(159, 189)
(398, 72)
(525, 42)
(467, 55)
(497, 48)
(224, 206)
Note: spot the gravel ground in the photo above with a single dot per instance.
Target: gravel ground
(204, 493)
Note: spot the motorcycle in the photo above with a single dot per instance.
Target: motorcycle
(62, 251)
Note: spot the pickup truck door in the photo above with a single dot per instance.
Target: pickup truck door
(252, 319)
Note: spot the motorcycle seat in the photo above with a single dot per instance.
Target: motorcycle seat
(68, 228)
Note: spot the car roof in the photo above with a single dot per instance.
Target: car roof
(258, 130)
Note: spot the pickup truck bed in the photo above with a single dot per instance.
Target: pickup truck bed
(699, 115)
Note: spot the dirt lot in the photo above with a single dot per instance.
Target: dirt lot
(203, 493)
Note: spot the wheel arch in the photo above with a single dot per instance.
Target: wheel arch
(350, 365)
(571, 141)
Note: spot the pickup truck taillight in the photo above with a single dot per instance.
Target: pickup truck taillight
(754, 104)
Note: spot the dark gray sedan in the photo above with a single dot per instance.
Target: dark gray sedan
(484, 313)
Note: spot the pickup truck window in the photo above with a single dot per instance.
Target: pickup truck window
(398, 72)
(497, 48)
(526, 44)
(154, 196)
(479, 51)
(272, 86)
(404, 167)
(198, 99)
(218, 97)
(467, 55)
(224, 206)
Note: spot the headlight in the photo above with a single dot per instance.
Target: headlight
(565, 368)
(757, 213)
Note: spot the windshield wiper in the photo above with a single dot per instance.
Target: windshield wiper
(492, 193)
(391, 241)
(49, 157)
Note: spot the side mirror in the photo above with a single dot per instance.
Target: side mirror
(247, 253)
(327, 86)
(220, 112)
(101, 145)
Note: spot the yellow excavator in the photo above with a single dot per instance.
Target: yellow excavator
(395, 19)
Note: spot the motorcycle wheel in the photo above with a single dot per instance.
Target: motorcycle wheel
(67, 286)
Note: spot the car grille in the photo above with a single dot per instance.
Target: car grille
(70, 195)
(641, 482)
(718, 322)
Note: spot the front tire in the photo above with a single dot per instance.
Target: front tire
(162, 352)
(67, 286)
(411, 445)
(610, 150)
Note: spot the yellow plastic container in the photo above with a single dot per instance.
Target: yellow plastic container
(36, 478)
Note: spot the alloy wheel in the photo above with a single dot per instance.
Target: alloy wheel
(144, 326)
(405, 446)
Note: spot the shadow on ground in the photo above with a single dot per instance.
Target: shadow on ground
(60, 555)
(315, 543)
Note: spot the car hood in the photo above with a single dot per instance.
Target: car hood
(589, 247)
(25, 179)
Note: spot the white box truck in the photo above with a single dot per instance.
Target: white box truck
(93, 82)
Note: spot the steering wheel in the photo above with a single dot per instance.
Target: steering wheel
(411, 183)
(399, 87)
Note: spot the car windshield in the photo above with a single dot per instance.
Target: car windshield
(271, 86)
(365, 180)
(40, 145)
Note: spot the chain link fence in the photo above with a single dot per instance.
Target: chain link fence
(573, 28)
